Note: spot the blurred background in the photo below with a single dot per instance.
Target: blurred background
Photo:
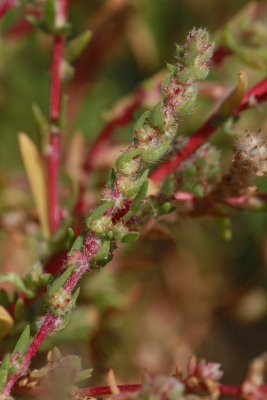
(181, 289)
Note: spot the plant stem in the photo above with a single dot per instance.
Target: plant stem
(55, 101)
(259, 93)
(49, 324)
(5, 6)
(42, 333)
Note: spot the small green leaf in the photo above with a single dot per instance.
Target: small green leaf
(23, 342)
(78, 243)
(100, 210)
(63, 30)
(156, 116)
(50, 14)
(133, 189)
(4, 367)
(140, 122)
(166, 208)
(75, 296)
(130, 237)
(4, 298)
(156, 152)
(45, 279)
(20, 310)
(82, 375)
(41, 127)
(127, 156)
(15, 279)
(168, 185)
(60, 281)
(71, 237)
(103, 252)
(139, 197)
(111, 178)
(75, 47)
(32, 20)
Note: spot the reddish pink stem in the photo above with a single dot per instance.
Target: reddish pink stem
(55, 101)
(102, 390)
(42, 333)
(5, 6)
(53, 172)
(228, 390)
(259, 92)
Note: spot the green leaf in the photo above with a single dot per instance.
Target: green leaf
(50, 14)
(139, 197)
(75, 47)
(100, 210)
(4, 298)
(127, 156)
(75, 296)
(78, 243)
(23, 342)
(32, 20)
(60, 281)
(16, 280)
(71, 237)
(156, 116)
(111, 178)
(166, 208)
(41, 127)
(45, 279)
(63, 30)
(103, 252)
(154, 154)
(140, 122)
(168, 185)
(130, 237)
(20, 310)
(131, 191)
(4, 371)
(82, 375)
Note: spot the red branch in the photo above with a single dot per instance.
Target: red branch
(6, 5)
(55, 100)
(228, 390)
(254, 96)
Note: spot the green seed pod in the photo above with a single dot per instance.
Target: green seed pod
(130, 186)
(119, 230)
(100, 225)
(155, 153)
(145, 134)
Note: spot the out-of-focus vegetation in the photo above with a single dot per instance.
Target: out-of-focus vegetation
(181, 288)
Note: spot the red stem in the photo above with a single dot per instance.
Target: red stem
(55, 100)
(42, 333)
(5, 6)
(259, 92)
(50, 323)
(228, 390)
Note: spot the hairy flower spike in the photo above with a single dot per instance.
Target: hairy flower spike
(249, 160)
